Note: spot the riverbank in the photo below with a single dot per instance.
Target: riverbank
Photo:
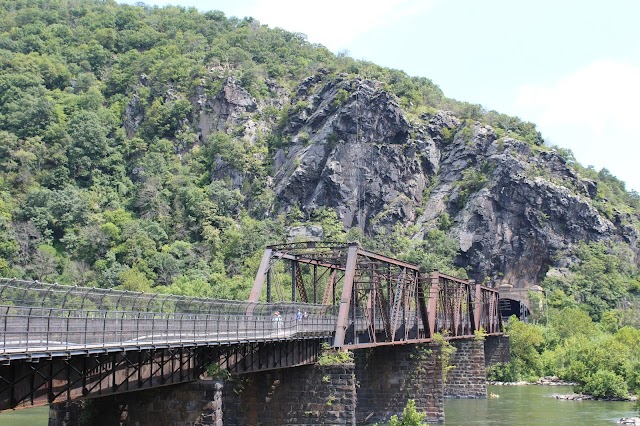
(555, 381)
(584, 397)
(543, 381)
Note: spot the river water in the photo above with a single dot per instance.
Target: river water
(533, 405)
(517, 405)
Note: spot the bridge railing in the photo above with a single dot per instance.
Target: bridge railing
(38, 331)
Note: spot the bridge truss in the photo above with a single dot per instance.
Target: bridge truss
(380, 300)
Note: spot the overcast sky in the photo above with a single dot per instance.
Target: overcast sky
(570, 66)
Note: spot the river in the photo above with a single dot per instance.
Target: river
(531, 406)
(517, 405)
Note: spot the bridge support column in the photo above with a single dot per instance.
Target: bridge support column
(496, 350)
(189, 404)
(389, 376)
(307, 395)
(467, 378)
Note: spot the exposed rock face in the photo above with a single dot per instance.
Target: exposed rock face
(133, 116)
(346, 144)
(351, 150)
(305, 233)
(225, 110)
(515, 212)
(511, 230)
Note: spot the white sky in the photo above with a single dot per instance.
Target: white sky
(570, 66)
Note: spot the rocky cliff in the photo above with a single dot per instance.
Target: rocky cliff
(516, 209)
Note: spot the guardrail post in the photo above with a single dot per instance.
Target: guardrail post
(104, 328)
(48, 327)
(28, 327)
(4, 338)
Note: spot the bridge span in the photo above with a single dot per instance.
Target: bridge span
(64, 343)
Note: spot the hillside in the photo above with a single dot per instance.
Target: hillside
(162, 148)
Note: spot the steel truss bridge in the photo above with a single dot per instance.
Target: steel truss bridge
(60, 343)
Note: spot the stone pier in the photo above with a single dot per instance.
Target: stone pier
(496, 350)
(376, 386)
(467, 378)
(389, 376)
(189, 404)
(309, 395)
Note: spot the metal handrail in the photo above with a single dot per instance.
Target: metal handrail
(40, 330)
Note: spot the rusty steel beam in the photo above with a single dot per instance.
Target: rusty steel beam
(407, 342)
(329, 288)
(432, 307)
(299, 283)
(345, 300)
(308, 260)
(452, 278)
(477, 311)
(254, 297)
(389, 260)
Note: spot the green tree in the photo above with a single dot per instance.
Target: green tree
(410, 416)
(526, 342)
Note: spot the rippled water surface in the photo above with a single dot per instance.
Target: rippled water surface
(517, 405)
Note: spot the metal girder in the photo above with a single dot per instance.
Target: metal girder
(254, 297)
(389, 260)
(345, 300)
(304, 298)
(329, 289)
(384, 300)
(24, 384)
(63, 379)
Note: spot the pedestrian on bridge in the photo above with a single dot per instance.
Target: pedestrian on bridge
(277, 319)
(298, 318)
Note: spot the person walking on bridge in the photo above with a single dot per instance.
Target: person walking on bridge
(277, 319)
(298, 318)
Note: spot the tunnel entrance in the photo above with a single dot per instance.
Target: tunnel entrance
(509, 307)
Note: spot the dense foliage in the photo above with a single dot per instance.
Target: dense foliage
(87, 199)
(602, 358)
